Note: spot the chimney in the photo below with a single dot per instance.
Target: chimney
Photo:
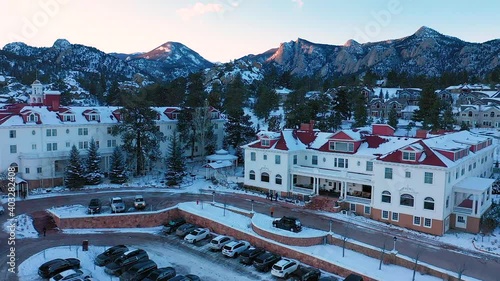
(421, 134)
(382, 130)
(308, 127)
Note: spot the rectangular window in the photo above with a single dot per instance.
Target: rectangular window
(416, 220)
(369, 166)
(97, 144)
(33, 146)
(395, 216)
(13, 148)
(427, 222)
(315, 160)
(265, 156)
(428, 178)
(109, 130)
(68, 144)
(39, 170)
(252, 156)
(409, 156)
(295, 160)
(83, 145)
(447, 202)
(277, 159)
(83, 131)
(51, 132)
(265, 142)
(470, 167)
(463, 171)
(367, 210)
(27, 170)
(385, 215)
(12, 134)
(408, 174)
(352, 207)
(461, 219)
(342, 146)
(388, 173)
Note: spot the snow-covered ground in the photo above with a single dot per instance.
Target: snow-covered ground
(352, 260)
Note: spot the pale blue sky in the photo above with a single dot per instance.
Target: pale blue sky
(221, 30)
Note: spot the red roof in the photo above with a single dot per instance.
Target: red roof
(430, 157)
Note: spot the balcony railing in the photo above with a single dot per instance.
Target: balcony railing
(333, 174)
(360, 200)
(462, 210)
(302, 190)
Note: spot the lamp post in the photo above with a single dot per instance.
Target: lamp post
(252, 206)
(213, 197)
(331, 226)
(394, 248)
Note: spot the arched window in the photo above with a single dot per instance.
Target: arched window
(33, 118)
(251, 175)
(278, 179)
(470, 113)
(264, 177)
(429, 203)
(406, 200)
(492, 114)
(15, 166)
(386, 196)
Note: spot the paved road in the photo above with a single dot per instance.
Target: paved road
(478, 265)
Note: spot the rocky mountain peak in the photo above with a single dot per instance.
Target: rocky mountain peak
(351, 43)
(61, 44)
(427, 32)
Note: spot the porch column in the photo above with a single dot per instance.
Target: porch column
(474, 204)
(344, 189)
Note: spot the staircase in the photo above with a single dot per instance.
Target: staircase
(323, 203)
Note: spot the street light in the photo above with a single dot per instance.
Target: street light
(213, 197)
(252, 205)
(331, 226)
(394, 248)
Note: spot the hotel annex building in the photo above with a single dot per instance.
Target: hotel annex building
(37, 137)
(428, 184)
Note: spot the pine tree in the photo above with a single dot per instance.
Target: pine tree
(464, 126)
(239, 131)
(381, 94)
(75, 172)
(117, 173)
(274, 123)
(360, 113)
(447, 121)
(428, 112)
(174, 162)
(341, 104)
(393, 118)
(93, 174)
(267, 100)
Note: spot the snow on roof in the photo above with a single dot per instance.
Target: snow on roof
(410, 108)
(221, 157)
(2, 78)
(283, 91)
(220, 164)
(51, 92)
(292, 142)
(321, 139)
(390, 144)
(268, 135)
(474, 183)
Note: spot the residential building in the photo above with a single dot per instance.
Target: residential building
(427, 184)
(38, 136)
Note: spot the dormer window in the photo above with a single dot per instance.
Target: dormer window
(409, 156)
(175, 115)
(93, 117)
(215, 115)
(69, 118)
(341, 146)
(265, 142)
(32, 117)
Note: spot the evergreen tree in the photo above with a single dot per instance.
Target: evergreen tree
(297, 109)
(428, 112)
(360, 112)
(464, 126)
(75, 172)
(117, 173)
(93, 174)
(204, 133)
(393, 118)
(447, 120)
(174, 162)
(267, 101)
(196, 94)
(274, 124)
(141, 136)
(235, 97)
(381, 94)
(386, 95)
(186, 129)
(239, 131)
(341, 104)
(113, 96)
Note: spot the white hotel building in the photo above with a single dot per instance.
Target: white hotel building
(37, 137)
(428, 184)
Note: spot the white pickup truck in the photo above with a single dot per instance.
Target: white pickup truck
(117, 205)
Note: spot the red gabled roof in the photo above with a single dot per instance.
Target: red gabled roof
(430, 159)
(306, 137)
(4, 118)
(281, 143)
(340, 135)
(375, 141)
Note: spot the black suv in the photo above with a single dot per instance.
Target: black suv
(139, 271)
(247, 256)
(265, 261)
(56, 266)
(288, 223)
(172, 225)
(94, 206)
(110, 255)
(304, 273)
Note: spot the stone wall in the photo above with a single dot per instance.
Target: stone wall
(287, 240)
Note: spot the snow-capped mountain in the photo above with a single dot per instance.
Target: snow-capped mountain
(426, 52)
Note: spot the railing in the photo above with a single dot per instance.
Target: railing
(462, 210)
(303, 190)
(334, 174)
(361, 200)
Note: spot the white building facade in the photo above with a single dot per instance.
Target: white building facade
(38, 137)
(430, 185)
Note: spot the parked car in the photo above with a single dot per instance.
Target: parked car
(197, 235)
(125, 261)
(94, 206)
(304, 273)
(247, 256)
(218, 242)
(117, 205)
(189, 277)
(139, 202)
(265, 261)
(235, 248)
(184, 229)
(55, 266)
(161, 274)
(138, 271)
(72, 274)
(110, 255)
(353, 277)
(329, 278)
(172, 225)
(284, 268)
(193, 277)
(288, 223)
